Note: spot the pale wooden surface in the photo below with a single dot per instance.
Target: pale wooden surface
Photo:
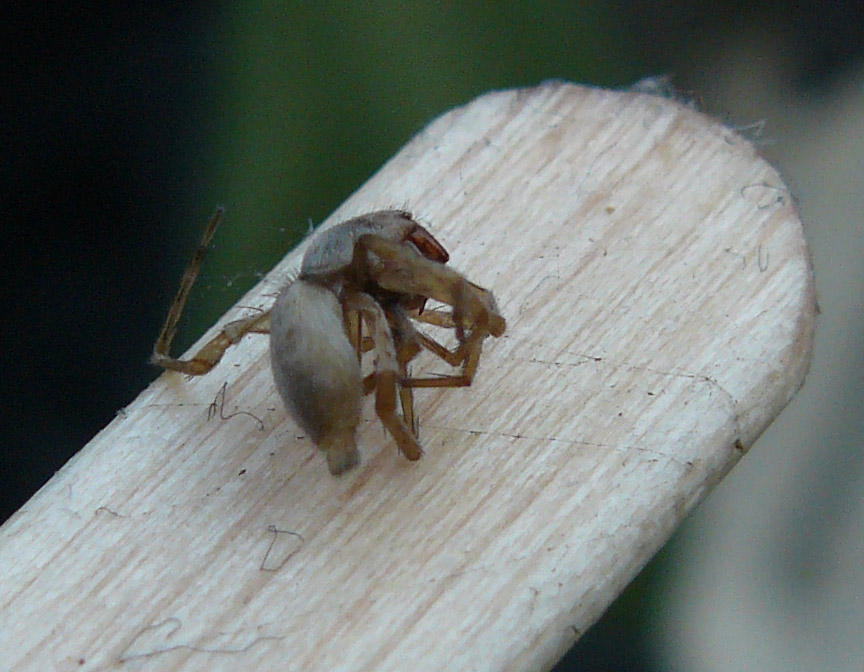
(660, 311)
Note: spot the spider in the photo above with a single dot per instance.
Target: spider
(362, 285)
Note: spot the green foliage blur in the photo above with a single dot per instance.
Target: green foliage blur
(308, 100)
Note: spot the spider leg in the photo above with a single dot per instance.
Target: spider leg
(388, 372)
(410, 342)
(212, 352)
(397, 268)
(467, 354)
(435, 317)
(408, 346)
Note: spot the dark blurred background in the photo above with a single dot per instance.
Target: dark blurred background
(124, 125)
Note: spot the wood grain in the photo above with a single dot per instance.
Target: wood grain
(660, 307)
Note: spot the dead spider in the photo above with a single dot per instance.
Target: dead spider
(376, 270)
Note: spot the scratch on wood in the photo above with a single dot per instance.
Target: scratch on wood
(590, 168)
(622, 448)
(730, 250)
(696, 377)
(284, 545)
(218, 406)
(752, 132)
(779, 198)
(527, 304)
(154, 641)
(585, 360)
(762, 268)
(107, 510)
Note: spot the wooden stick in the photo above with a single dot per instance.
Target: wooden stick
(660, 310)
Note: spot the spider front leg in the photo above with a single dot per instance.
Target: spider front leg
(466, 355)
(408, 346)
(399, 269)
(389, 371)
(212, 352)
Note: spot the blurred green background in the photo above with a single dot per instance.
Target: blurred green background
(125, 125)
(310, 100)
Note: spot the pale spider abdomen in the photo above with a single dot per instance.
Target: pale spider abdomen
(316, 369)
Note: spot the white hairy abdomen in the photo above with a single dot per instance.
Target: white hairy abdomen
(315, 366)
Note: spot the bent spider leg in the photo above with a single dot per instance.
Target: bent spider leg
(440, 318)
(434, 316)
(400, 269)
(210, 354)
(388, 372)
(408, 346)
(360, 343)
(467, 354)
